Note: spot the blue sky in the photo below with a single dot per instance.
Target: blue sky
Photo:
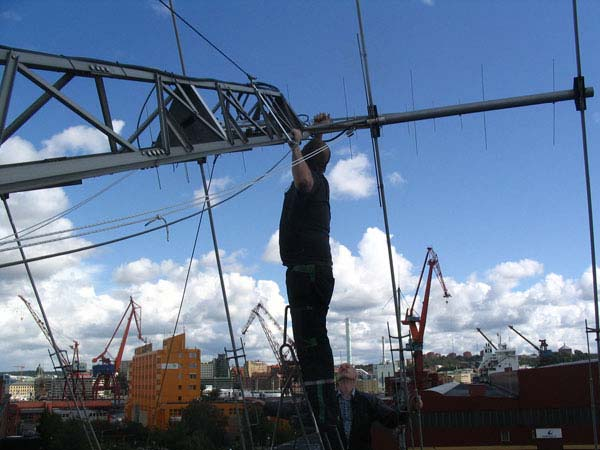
(508, 220)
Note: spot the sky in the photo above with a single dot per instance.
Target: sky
(503, 205)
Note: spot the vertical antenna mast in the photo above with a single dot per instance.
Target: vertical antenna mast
(372, 108)
(375, 133)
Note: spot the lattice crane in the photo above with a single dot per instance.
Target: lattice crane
(416, 323)
(62, 357)
(72, 368)
(107, 371)
(487, 339)
(257, 312)
(542, 348)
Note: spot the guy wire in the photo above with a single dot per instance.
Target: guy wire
(484, 120)
(185, 284)
(195, 30)
(147, 215)
(412, 94)
(33, 228)
(158, 227)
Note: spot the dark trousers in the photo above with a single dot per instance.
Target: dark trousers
(309, 290)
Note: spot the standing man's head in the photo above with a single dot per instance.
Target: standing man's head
(346, 378)
(319, 149)
(319, 160)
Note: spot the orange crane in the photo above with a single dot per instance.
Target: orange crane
(106, 372)
(416, 323)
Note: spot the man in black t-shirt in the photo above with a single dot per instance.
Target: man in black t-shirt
(304, 249)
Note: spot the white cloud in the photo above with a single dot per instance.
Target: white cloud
(230, 262)
(78, 140)
(428, 2)
(507, 275)
(159, 9)
(218, 190)
(10, 15)
(350, 178)
(363, 280)
(271, 253)
(396, 179)
(552, 307)
(16, 150)
(136, 272)
(29, 208)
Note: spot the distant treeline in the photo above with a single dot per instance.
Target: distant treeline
(453, 361)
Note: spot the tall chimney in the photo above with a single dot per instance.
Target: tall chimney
(348, 342)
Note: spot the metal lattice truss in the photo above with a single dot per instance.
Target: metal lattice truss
(259, 311)
(242, 116)
(196, 117)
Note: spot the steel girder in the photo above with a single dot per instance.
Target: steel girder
(241, 116)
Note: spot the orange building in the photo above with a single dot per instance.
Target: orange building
(180, 380)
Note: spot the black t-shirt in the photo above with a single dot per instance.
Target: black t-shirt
(304, 225)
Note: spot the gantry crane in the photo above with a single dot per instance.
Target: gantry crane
(542, 349)
(487, 339)
(416, 323)
(106, 372)
(258, 311)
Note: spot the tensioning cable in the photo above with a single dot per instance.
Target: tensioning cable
(152, 214)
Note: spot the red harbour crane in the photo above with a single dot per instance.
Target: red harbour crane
(416, 323)
(106, 372)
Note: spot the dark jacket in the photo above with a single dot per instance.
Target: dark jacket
(304, 225)
(366, 409)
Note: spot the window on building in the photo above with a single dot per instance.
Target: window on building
(193, 365)
(179, 398)
(192, 355)
(505, 436)
(179, 387)
(191, 387)
(193, 376)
